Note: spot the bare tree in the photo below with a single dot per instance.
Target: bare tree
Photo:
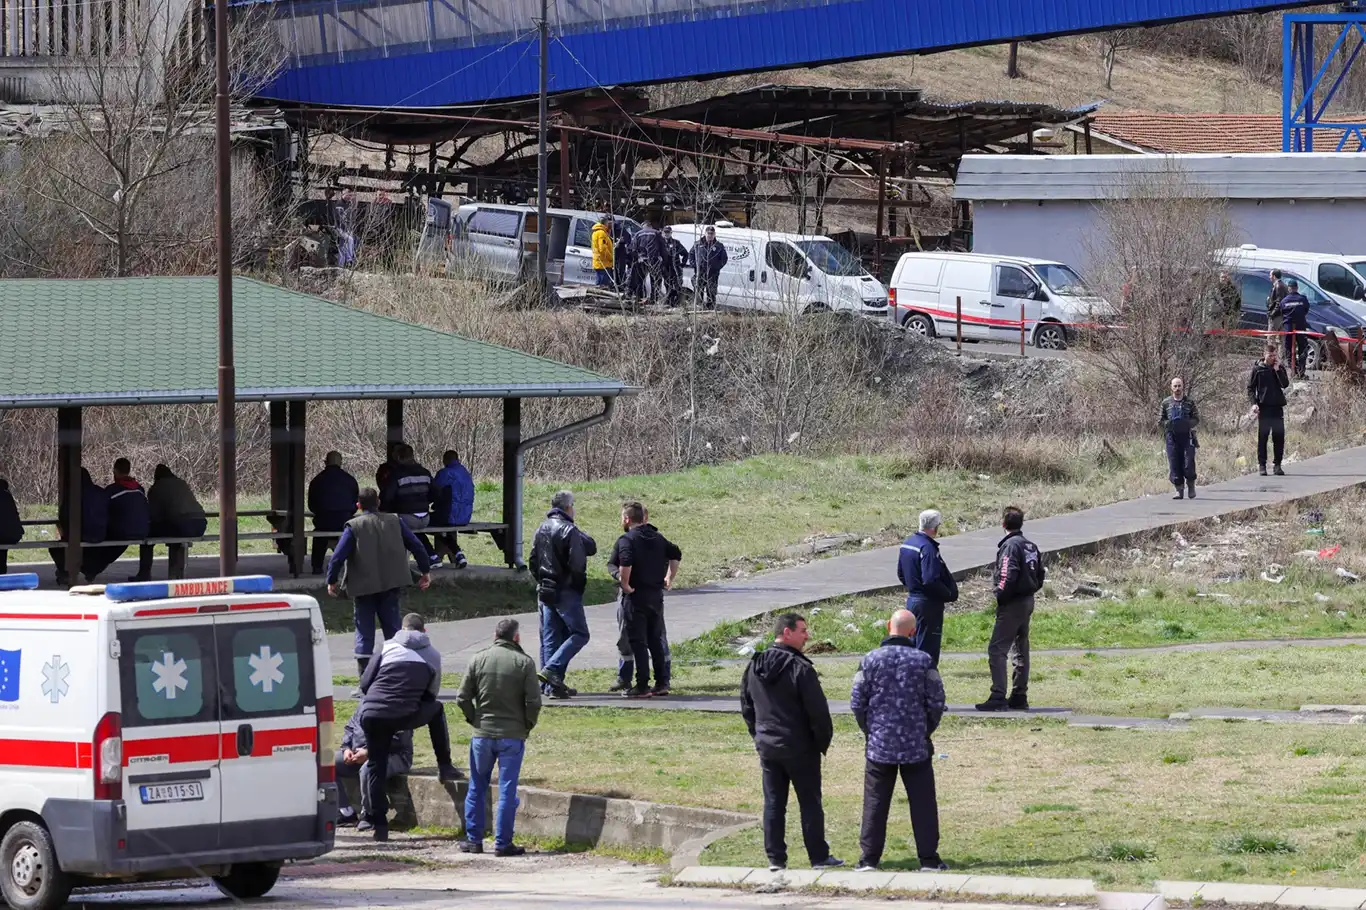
(116, 177)
(1109, 44)
(1155, 252)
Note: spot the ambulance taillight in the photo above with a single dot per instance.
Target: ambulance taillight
(108, 757)
(327, 715)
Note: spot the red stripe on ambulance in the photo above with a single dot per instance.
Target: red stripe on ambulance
(41, 753)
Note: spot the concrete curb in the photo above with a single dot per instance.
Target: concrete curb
(998, 886)
(690, 854)
(580, 819)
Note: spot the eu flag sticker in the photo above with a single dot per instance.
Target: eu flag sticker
(9, 675)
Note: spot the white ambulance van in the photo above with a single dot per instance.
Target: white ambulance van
(160, 730)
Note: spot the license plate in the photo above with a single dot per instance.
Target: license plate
(172, 793)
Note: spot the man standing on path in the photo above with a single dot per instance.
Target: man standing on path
(929, 583)
(559, 563)
(398, 692)
(898, 701)
(1016, 577)
(647, 563)
(332, 497)
(374, 550)
(1178, 417)
(501, 699)
(789, 719)
(1266, 390)
(350, 764)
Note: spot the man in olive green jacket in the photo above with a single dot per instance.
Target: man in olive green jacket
(501, 699)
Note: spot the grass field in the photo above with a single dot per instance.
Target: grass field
(1034, 798)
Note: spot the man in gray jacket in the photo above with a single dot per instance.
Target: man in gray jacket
(399, 692)
(372, 552)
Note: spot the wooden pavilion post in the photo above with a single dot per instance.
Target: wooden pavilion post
(393, 423)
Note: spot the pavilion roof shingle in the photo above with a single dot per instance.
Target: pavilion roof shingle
(154, 340)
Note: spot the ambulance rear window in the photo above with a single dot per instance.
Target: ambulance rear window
(166, 676)
(272, 668)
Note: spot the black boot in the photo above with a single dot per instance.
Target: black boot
(1190, 488)
(1180, 492)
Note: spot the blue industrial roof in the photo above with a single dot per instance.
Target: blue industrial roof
(436, 53)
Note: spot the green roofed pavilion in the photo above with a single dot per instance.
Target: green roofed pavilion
(72, 344)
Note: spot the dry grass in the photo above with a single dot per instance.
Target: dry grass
(1065, 71)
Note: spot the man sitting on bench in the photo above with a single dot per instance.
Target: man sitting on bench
(452, 506)
(129, 519)
(175, 513)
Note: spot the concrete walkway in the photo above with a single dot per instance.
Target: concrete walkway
(697, 610)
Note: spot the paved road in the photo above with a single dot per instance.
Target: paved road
(696, 610)
(528, 883)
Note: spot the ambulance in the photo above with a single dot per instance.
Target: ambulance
(160, 730)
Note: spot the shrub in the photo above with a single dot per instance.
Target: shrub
(1254, 843)
(1123, 852)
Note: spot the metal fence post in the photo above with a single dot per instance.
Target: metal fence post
(1022, 330)
(959, 323)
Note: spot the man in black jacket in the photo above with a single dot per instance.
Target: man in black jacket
(130, 518)
(647, 562)
(1017, 575)
(789, 719)
(559, 563)
(407, 492)
(1295, 322)
(11, 527)
(1266, 390)
(675, 258)
(332, 495)
(1178, 418)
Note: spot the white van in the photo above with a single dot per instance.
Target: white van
(1342, 278)
(926, 288)
(161, 730)
(501, 239)
(775, 272)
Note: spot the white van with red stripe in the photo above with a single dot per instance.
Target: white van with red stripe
(160, 730)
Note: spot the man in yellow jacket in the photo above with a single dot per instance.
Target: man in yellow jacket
(603, 251)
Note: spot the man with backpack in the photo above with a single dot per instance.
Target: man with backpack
(1016, 577)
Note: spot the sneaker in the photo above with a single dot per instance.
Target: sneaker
(1277, 471)
(449, 774)
(777, 867)
(1262, 470)
(1180, 493)
(510, 850)
(865, 867)
(460, 561)
(571, 691)
(934, 865)
(559, 693)
(470, 846)
(636, 692)
(830, 862)
(347, 821)
(1190, 489)
(659, 691)
(1017, 703)
(620, 685)
(363, 826)
(992, 704)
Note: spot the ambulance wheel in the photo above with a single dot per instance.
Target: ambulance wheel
(246, 881)
(31, 878)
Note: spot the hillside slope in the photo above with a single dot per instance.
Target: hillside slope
(1065, 72)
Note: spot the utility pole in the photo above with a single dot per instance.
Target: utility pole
(227, 378)
(542, 228)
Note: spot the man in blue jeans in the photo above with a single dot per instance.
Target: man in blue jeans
(374, 550)
(501, 698)
(559, 563)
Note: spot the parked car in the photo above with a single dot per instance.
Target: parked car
(1324, 312)
(926, 288)
(501, 239)
(1341, 277)
(776, 272)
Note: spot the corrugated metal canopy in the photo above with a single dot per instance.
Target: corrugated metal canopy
(1282, 175)
(154, 341)
(416, 53)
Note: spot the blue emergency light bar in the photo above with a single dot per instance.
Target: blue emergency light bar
(20, 581)
(197, 587)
